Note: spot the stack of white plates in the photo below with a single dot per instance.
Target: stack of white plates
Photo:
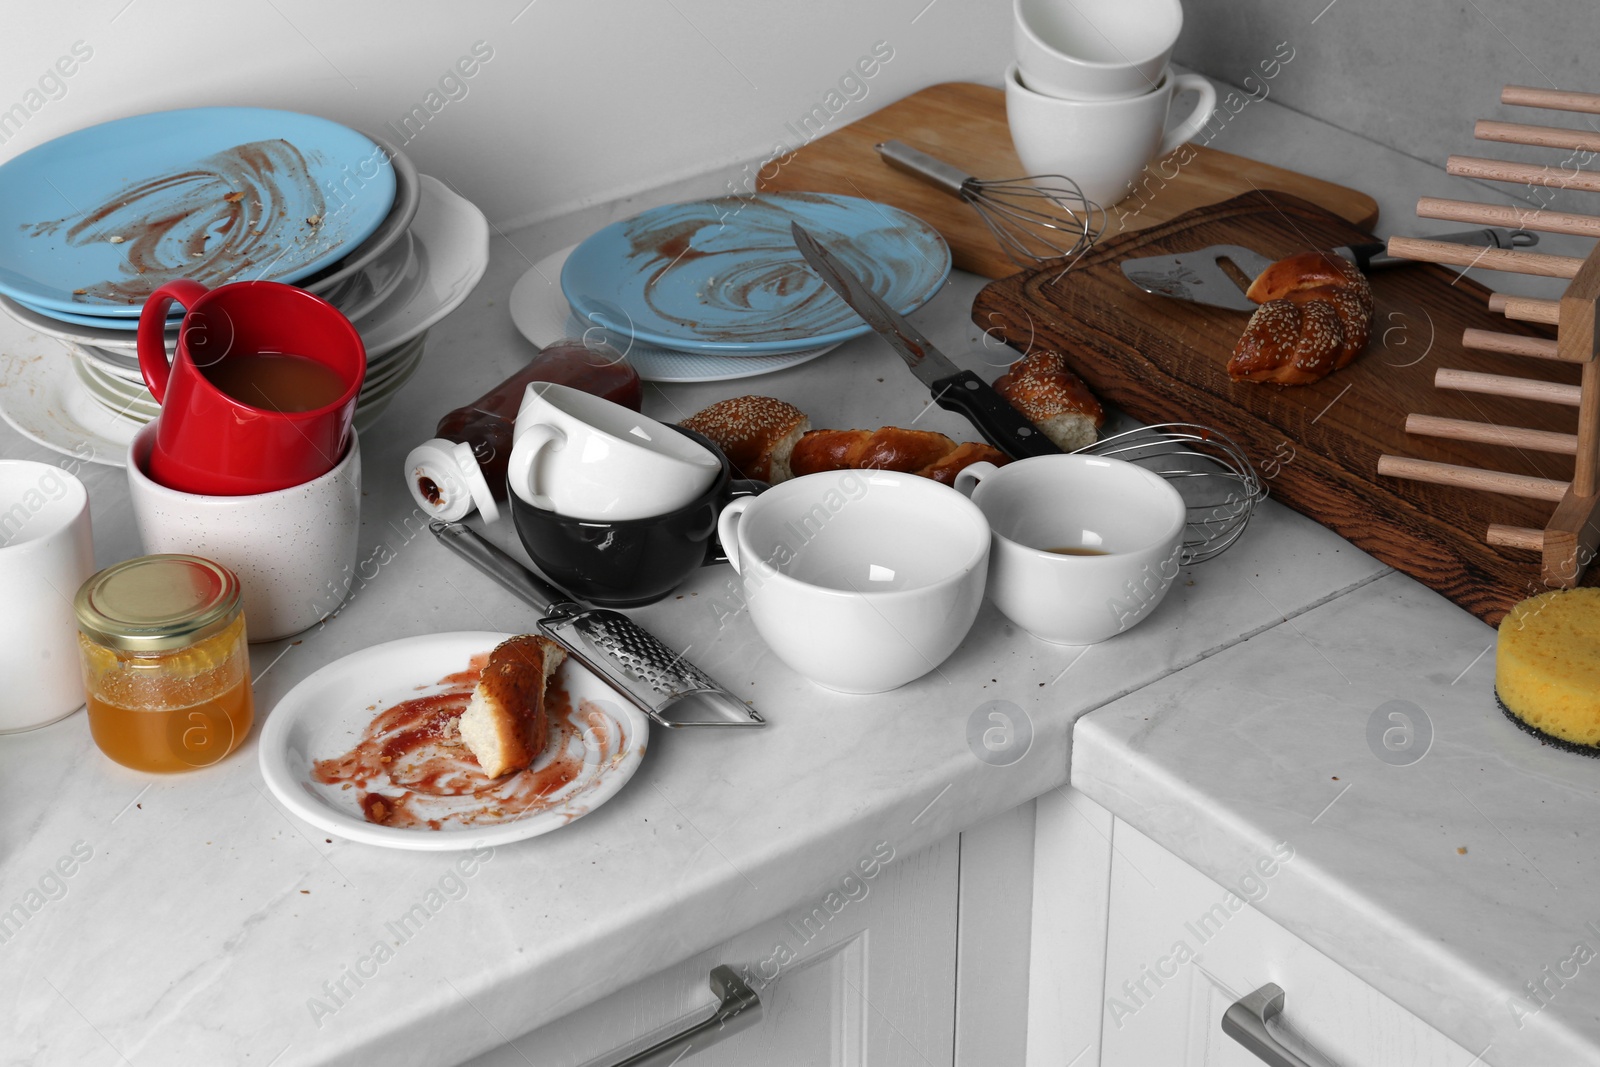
(418, 265)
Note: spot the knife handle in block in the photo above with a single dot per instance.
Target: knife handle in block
(1001, 424)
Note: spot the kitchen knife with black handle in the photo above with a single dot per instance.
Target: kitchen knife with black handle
(953, 389)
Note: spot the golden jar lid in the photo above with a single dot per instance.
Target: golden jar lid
(157, 603)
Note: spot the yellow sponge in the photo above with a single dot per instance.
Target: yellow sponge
(1547, 667)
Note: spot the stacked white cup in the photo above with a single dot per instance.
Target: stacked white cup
(1090, 93)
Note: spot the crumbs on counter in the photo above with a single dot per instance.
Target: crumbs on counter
(1462, 850)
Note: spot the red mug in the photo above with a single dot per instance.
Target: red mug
(261, 392)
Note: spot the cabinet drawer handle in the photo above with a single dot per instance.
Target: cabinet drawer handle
(738, 1006)
(1246, 1022)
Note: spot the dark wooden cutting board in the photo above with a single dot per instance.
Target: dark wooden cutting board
(1316, 446)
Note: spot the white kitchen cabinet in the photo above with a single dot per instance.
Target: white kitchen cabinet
(867, 982)
(1180, 948)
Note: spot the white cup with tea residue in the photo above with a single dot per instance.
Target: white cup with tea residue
(1084, 547)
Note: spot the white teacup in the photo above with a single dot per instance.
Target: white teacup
(46, 552)
(1037, 507)
(859, 580)
(1094, 49)
(1103, 145)
(294, 550)
(588, 458)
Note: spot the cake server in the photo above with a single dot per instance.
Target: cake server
(1198, 276)
(623, 654)
(953, 389)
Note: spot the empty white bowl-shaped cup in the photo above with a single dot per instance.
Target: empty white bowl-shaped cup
(1121, 527)
(859, 580)
(588, 458)
(1103, 145)
(46, 552)
(1094, 49)
(294, 550)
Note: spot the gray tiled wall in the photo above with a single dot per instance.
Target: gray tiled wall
(1410, 74)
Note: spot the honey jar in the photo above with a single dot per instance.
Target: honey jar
(165, 666)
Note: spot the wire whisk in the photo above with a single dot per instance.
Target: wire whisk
(1211, 473)
(1035, 220)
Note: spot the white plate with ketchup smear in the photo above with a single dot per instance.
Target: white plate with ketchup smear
(362, 749)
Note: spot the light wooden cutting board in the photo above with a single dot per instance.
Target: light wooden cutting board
(965, 124)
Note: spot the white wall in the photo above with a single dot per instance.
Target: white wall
(582, 101)
(1410, 74)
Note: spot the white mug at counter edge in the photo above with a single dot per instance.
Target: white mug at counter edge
(46, 553)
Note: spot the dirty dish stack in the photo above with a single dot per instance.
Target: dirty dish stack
(213, 196)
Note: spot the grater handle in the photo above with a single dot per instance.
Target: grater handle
(471, 546)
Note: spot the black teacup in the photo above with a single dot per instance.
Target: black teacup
(635, 561)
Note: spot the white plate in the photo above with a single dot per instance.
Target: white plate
(43, 400)
(543, 316)
(450, 239)
(119, 340)
(325, 715)
(372, 286)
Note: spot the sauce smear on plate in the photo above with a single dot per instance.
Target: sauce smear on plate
(414, 772)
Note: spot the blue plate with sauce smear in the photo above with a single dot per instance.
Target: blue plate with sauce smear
(723, 277)
(93, 222)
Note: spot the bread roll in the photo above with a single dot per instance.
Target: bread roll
(921, 452)
(1315, 317)
(506, 724)
(1048, 394)
(756, 433)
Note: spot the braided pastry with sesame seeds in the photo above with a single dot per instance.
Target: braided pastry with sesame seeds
(1045, 390)
(772, 441)
(1315, 317)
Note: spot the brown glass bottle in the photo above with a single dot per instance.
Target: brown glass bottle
(486, 424)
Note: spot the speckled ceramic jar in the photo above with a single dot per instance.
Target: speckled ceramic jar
(294, 550)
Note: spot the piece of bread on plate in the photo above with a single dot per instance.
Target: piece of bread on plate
(506, 722)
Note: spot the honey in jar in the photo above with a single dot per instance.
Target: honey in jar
(166, 670)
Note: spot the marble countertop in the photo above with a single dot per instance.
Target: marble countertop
(1449, 866)
(201, 919)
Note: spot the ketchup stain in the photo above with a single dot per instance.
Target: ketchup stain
(208, 222)
(414, 771)
(753, 284)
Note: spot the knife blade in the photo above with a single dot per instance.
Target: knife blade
(952, 388)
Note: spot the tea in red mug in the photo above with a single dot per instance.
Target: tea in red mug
(277, 381)
(261, 392)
